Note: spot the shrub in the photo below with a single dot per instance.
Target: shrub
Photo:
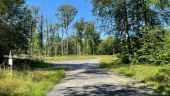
(153, 46)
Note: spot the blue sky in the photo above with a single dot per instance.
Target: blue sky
(49, 9)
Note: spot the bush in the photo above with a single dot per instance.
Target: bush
(153, 46)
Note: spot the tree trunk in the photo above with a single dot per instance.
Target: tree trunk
(62, 42)
(41, 33)
(77, 47)
(47, 40)
(67, 41)
(128, 43)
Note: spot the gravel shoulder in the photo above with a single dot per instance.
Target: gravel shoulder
(86, 78)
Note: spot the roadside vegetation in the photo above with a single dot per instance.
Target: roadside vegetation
(28, 83)
(30, 80)
(153, 75)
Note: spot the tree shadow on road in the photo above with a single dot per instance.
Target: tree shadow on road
(105, 90)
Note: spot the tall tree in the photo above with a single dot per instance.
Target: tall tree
(47, 37)
(57, 40)
(80, 28)
(66, 14)
(91, 38)
(34, 21)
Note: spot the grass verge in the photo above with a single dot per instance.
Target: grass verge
(156, 76)
(27, 83)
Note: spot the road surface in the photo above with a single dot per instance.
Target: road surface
(86, 78)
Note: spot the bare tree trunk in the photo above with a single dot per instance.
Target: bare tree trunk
(128, 46)
(67, 41)
(62, 42)
(75, 51)
(53, 38)
(47, 40)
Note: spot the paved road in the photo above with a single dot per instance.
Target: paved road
(85, 78)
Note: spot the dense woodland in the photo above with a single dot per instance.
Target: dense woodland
(137, 29)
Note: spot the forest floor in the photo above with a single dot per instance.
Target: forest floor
(86, 78)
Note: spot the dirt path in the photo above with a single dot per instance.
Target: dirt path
(85, 78)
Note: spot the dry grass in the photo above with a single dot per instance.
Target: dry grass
(82, 57)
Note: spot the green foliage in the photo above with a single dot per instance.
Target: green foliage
(87, 39)
(14, 26)
(106, 46)
(152, 46)
(80, 28)
(66, 14)
(72, 42)
(91, 39)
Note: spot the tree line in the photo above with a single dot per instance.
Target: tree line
(52, 39)
(25, 30)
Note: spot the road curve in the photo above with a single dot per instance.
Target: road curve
(86, 78)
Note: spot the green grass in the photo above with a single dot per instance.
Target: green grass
(82, 57)
(28, 83)
(156, 76)
(31, 82)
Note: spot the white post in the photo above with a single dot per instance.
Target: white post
(10, 61)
